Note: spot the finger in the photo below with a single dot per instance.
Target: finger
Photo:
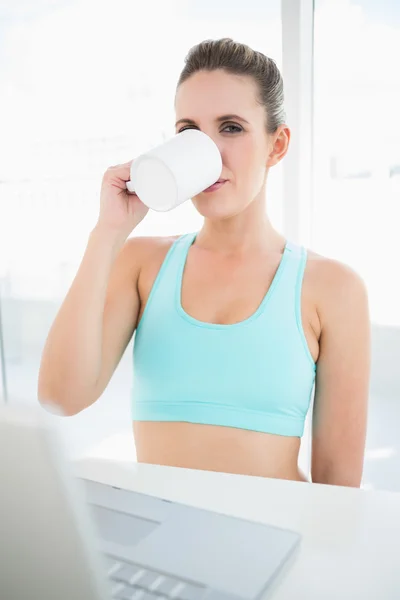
(122, 165)
(122, 172)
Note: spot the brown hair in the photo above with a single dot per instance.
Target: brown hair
(240, 59)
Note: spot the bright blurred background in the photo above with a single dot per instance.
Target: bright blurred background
(85, 84)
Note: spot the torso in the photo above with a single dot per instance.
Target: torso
(211, 294)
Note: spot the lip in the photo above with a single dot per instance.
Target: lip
(216, 186)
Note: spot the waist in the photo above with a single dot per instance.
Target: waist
(217, 414)
(217, 448)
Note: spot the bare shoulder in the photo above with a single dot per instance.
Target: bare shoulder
(331, 274)
(139, 251)
(335, 285)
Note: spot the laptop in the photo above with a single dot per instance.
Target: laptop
(67, 538)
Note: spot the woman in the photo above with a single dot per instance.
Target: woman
(234, 324)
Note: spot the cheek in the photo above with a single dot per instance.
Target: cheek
(239, 157)
(248, 163)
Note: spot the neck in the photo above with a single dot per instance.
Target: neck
(250, 230)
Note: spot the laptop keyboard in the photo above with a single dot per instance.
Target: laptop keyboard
(132, 582)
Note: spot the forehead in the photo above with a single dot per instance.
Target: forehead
(216, 92)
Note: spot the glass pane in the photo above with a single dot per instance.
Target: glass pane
(357, 144)
(357, 189)
(85, 85)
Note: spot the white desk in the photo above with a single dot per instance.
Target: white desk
(351, 538)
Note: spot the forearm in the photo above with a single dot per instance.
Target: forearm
(71, 360)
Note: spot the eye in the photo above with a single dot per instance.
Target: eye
(234, 128)
(187, 127)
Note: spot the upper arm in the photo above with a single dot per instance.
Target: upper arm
(342, 381)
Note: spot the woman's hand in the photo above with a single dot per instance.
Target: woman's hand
(120, 210)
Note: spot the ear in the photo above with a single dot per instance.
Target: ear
(279, 145)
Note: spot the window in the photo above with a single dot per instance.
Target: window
(357, 144)
(357, 189)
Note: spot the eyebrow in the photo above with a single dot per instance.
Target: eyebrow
(218, 119)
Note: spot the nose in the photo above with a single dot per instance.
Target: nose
(220, 143)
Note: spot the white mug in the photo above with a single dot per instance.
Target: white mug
(175, 171)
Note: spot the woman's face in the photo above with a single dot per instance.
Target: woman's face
(224, 106)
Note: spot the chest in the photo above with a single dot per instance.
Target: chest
(225, 290)
(228, 291)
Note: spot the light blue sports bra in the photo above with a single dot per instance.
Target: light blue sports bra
(257, 374)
